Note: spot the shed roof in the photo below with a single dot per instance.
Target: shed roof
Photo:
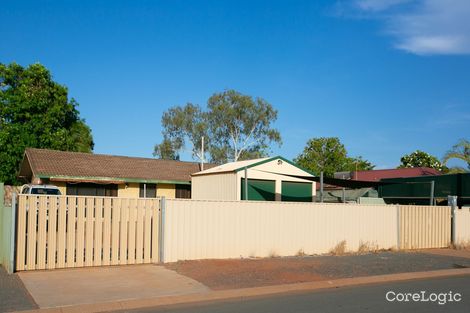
(241, 165)
(64, 165)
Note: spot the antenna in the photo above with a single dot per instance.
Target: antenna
(202, 153)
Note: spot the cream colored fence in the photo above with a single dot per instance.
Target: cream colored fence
(225, 229)
(67, 231)
(462, 226)
(424, 227)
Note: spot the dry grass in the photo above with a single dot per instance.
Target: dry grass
(461, 245)
(273, 254)
(339, 249)
(367, 247)
(300, 252)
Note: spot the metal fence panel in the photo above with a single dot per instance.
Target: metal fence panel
(198, 229)
(424, 227)
(462, 226)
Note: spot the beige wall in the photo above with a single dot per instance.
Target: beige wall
(62, 186)
(215, 187)
(462, 225)
(166, 190)
(234, 229)
(129, 190)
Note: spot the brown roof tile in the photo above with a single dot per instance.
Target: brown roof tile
(62, 163)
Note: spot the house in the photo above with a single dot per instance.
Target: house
(268, 179)
(90, 174)
(377, 175)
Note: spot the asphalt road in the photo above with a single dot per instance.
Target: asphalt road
(370, 298)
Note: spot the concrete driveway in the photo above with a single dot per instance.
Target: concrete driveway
(67, 287)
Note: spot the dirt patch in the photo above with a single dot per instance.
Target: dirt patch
(228, 274)
(244, 273)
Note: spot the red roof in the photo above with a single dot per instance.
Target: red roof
(376, 175)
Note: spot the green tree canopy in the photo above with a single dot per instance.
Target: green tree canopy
(460, 151)
(329, 155)
(421, 159)
(234, 126)
(36, 112)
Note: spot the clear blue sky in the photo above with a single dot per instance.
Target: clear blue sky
(386, 76)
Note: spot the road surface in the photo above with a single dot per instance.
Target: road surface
(369, 298)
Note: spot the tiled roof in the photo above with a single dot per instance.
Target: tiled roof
(53, 163)
(376, 175)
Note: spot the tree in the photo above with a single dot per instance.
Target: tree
(36, 112)
(166, 150)
(240, 126)
(328, 155)
(460, 151)
(420, 159)
(183, 126)
(234, 126)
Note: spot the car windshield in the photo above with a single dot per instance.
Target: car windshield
(45, 191)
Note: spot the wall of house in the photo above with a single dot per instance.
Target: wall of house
(61, 185)
(214, 187)
(129, 190)
(166, 190)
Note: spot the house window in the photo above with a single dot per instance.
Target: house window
(183, 191)
(90, 189)
(148, 191)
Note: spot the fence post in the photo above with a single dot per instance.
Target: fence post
(452, 201)
(11, 267)
(161, 233)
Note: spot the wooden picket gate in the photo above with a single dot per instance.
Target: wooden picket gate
(69, 231)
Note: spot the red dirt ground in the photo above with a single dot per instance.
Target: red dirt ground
(244, 273)
(228, 274)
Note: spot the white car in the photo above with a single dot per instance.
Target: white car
(40, 190)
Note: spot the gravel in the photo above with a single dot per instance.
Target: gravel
(13, 294)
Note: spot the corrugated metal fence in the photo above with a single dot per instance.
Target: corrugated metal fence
(67, 231)
(423, 227)
(462, 226)
(226, 229)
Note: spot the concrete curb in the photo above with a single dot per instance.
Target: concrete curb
(243, 293)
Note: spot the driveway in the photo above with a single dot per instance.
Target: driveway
(13, 295)
(105, 284)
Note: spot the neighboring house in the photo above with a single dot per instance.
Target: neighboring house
(90, 174)
(269, 179)
(417, 190)
(377, 175)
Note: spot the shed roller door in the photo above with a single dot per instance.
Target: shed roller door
(261, 190)
(296, 191)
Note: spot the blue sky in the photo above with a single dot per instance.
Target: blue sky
(386, 76)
